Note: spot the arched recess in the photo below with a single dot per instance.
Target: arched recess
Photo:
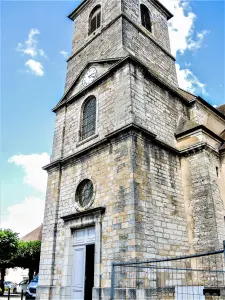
(95, 19)
(145, 18)
(88, 120)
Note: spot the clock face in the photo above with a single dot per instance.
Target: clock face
(90, 76)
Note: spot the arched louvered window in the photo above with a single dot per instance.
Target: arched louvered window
(145, 18)
(95, 19)
(88, 118)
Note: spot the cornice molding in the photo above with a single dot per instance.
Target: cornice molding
(108, 138)
(209, 106)
(94, 37)
(148, 35)
(123, 16)
(94, 211)
(116, 66)
(157, 3)
(77, 10)
(130, 128)
(200, 127)
(197, 148)
(100, 61)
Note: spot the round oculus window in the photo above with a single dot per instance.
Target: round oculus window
(84, 193)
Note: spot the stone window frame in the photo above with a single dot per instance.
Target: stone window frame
(82, 140)
(76, 204)
(91, 218)
(95, 11)
(150, 18)
(85, 184)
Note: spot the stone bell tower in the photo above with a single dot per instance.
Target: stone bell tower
(115, 190)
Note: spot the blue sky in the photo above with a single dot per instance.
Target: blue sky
(27, 98)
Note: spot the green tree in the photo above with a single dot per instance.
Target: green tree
(8, 248)
(28, 256)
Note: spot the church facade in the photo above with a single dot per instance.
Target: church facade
(138, 165)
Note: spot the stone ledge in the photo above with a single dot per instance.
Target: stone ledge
(132, 127)
(81, 142)
(93, 211)
(121, 61)
(196, 148)
(75, 12)
(196, 128)
(209, 106)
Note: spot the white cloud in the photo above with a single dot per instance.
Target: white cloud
(32, 165)
(197, 44)
(29, 47)
(24, 217)
(188, 81)
(35, 67)
(27, 215)
(194, 45)
(182, 27)
(42, 53)
(64, 53)
(184, 38)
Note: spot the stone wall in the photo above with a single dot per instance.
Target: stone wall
(106, 45)
(49, 235)
(149, 53)
(140, 186)
(161, 226)
(120, 37)
(215, 174)
(158, 204)
(221, 178)
(113, 112)
(127, 96)
(200, 114)
(100, 67)
(131, 8)
(57, 148)
(109, 10)
(154, 107)
(204, 205)
(114, 190)
(196, 137)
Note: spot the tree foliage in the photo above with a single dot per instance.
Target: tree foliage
(28, 256)
(8, 248)
(8, 245)
(17, 253)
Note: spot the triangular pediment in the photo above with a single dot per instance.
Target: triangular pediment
(89, 74)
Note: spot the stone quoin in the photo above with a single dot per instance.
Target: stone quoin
(138, 165)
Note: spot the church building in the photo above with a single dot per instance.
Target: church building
(137, 169)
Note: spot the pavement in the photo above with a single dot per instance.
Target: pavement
(12, 296)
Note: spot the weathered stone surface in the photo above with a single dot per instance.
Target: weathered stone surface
(164, 196)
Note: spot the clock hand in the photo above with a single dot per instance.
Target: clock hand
(92, 76)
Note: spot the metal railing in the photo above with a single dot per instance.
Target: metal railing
(193, 277)
(10, 295)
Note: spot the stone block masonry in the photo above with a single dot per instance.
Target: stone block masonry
(121, 33)
(143, 199)
(155, 159)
